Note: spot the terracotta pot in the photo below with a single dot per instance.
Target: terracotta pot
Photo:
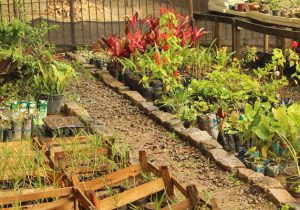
(251, 7)
(242, 7)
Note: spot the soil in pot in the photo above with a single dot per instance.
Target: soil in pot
(292, 181)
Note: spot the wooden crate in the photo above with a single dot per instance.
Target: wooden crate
(58, 160)
(164, 182)
(12, 169)
(60, 199)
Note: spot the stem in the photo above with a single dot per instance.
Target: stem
(290, 147)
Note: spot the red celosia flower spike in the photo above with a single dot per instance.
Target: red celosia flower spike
(157, 58)
(166, 47)
(176, 74)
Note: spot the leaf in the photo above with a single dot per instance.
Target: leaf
(281, 117)
(250, 151)
(264, 151)
(262, 132)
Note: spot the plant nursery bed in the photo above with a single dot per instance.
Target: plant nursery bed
(155, 191)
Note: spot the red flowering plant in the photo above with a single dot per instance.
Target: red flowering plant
(114, 45)
(163, 64)
(135, 38)
(159, 51)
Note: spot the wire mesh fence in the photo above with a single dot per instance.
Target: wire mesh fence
(81, 22)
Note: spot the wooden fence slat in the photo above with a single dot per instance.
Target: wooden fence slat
(132, 195)
(112, 178)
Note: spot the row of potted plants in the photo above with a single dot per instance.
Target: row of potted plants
(30, 69)
(285, 8)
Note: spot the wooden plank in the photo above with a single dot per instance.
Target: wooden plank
(132, 195)
(214, 205)
(45, 193)
(83, 200)
(57, 141)
(153, 169)
(182, 205)
(143, 160)
(194, 195)
(180, 187)
(62, 204)
(112, 178)
(213, 17)
(58, 151)
(168, 181)
(218, 35)
(271, 30)
(266, 43)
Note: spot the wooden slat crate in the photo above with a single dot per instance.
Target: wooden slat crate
(55, 199)
(163, 182)
(12, 169)
(59, 159)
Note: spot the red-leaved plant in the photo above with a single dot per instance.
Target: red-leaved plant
(158, 30)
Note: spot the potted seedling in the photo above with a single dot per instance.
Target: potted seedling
(52, 82)
(275, 6)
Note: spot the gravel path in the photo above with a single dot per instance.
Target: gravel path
(187, 164)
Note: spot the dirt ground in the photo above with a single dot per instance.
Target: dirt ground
(187, 164)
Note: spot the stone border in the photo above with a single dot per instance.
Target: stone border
(199, 139)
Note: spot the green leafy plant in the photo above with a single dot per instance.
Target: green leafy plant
(54, 79)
